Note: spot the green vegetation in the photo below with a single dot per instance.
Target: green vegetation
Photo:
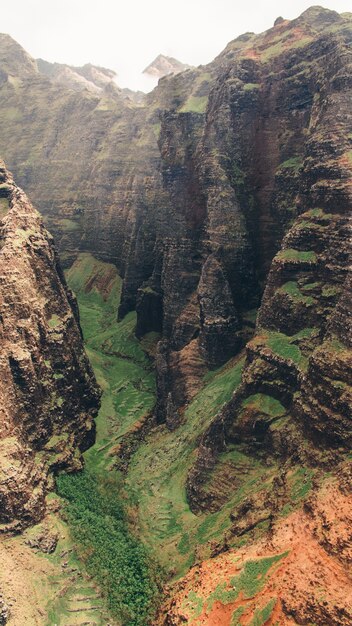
(288, 346)
(154, 488)
(251, 86)
(247, 584)
(253, 576)
(261, 616)
(329, 291)
(236, 616)
(237, 175)
(281, 45)
(195, 104)
(69, 225)
(157, 477)
(282, 346)
(4, 207)
(155, 485)
(319, 214)
(122, 369)
(293, 290)
(116, 560)
(152, 496)
(301, 483)
(94, 507)
(294, 163)
(297, 255)
(54, 321)
(310, 286)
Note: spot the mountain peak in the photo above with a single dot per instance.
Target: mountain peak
(14, 59)
(163, 65)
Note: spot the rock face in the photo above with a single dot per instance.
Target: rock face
(191, 192)
(226, 188)
(163, 66)
(303, 572)
(300, 355)
(49, 397)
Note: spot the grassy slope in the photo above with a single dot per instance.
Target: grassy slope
(153, 490)
(155, 483)
(122, 369)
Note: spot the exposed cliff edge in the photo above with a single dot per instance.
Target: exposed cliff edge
(197, 182)
(48, 392)
(300, 355)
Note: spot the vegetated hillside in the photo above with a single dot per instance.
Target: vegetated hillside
(48, 392)
(226, 182)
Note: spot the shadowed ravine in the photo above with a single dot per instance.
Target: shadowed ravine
(113, 501)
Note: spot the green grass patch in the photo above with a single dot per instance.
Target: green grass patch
(282, 346)
(310, 286)
(301, 483)
(69, 225)
(293, 290)
(248, 583)
(300, 256)
(236, 616)
(195, 104)
(329, 291)
(193, 605)
(294, 163)
(4, 207)
(54, 321)
(261, 616)
(251, 86)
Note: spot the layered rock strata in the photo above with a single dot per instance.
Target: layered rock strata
(49, 396)
(196, 184)
(300, 357)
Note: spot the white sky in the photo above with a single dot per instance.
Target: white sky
(126, 35)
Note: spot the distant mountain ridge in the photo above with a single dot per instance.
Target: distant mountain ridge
(91, 77)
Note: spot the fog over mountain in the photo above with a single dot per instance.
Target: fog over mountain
(126, 36)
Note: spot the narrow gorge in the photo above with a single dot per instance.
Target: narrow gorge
(176, 363)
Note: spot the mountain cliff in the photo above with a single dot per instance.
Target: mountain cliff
(49, 397)
(223, 198)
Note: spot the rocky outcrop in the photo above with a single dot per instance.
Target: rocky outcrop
(4, 612)
(49, 396)
(297, 573)
(296, 383)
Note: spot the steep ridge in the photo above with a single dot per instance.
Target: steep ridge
(233, 169)
(300, 354)
(209, 163)
(226, 182)
(293, 407)
(49, 396)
